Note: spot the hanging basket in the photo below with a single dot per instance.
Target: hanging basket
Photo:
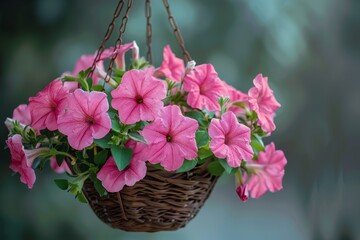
(162, 201)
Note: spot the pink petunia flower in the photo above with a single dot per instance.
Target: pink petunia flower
(59, 169)
(236, 96)
(268, 171)
(114, 180)
(18, 161)
(121, 50)
(230, 139)
(172, 67)
(204, 87)
(85, 118)
(263, 102)
(171, 138)
(139, 96)
(46, 106)
(32, 154)
(22, 114)
(242, 192)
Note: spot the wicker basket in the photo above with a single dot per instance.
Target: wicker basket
(161, 201)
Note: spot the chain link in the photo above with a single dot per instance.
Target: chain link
(108, 33)
(177, 32)
(119, 39)
(148, 30)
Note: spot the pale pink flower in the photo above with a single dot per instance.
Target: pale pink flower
(236, 96)
(172, 67)
(46, 106)
(114, 180)
(85, 118)
(121, 50)
(18, 161)
(32, 154)
(139, 96)
(59, 169)
(268, 171)
(230, 139)
(22, 114)
(263, 102)
(171, 138)
(204, 87)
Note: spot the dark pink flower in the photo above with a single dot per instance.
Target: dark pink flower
(114, 180)
(242, 192)
(172, 67)
(59, 169)
(46, 106)
(204, 88)
(263, 102)
(85, 118)
(230, 139)
(22, 114)
(139, 96)
(18, 161)
(171, 138)
(268, 171)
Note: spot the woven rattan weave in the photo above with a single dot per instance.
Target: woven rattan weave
(161, 201)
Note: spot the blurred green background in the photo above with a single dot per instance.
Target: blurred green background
(310, 51)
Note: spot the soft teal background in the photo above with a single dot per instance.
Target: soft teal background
(310, 51)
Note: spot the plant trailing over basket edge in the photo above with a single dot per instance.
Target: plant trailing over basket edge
(107, 128)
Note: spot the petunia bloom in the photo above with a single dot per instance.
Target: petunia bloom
(22, 114)
(236, 96)
(263, 102)
(172, 67)
(114, 180)
(18, 161)
(32, 154)
(59, 169)
(85, 118)
(204, 88)
(120, 51)
(268, 171)
(242, 192)
(230, 139)
(46, 106)
(139, 96)
(171, 138)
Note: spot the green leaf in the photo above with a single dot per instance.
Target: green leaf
(187, 165)
(104, 142)
(101, 157)
(122, 156)
(136, 137)
(202, 138)
(257, 145)
(226, 166)
(80, 196)
(115, 125)
(63, 184)
(215, 168)
(199, 116)
(89, 82)
(59, 159)
(98, 88)
(204, 153)
(158, 166)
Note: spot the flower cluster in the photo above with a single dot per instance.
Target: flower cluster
(109, 129)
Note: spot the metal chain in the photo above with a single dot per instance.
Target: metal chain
(148, 30)
(106, 37)
(119, 39)
(177, 32)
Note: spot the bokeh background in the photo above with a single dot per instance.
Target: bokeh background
(310, 51)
